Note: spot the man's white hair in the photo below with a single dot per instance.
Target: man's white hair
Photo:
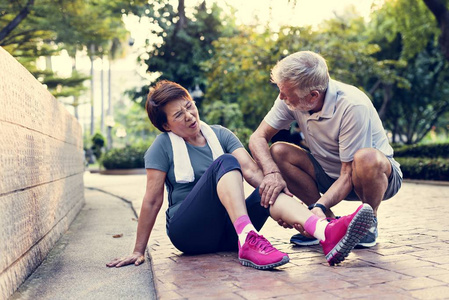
(304, 70)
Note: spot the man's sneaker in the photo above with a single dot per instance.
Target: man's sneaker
(258, 253)
(344, 233)
(369, 240)
(302, 240)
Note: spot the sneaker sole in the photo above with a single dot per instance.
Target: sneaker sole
(248, 263)
(366, 245)
(357, 229)
(309, 243)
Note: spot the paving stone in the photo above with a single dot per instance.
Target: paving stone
(404, 254)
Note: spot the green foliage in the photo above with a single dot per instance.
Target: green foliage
(410, 20)
(52, 25)
(240, 70)
(181, 43)
(125, 158)
(417, 109)
(424, 168)
(135, 120)
(243, 134)
(427, 151)
(98, 143)
(229, 116)
(239, 73)
(426, 162)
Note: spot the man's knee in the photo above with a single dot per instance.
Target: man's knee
(370, 160)
(278, 150)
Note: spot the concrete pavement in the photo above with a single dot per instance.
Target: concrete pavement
(75, 268)
(411, 259)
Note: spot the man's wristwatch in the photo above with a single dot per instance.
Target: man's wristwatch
(323, 208)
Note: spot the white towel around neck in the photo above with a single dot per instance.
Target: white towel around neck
(183, 166)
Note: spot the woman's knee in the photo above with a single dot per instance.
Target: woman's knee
(227, 158)
(224, 164)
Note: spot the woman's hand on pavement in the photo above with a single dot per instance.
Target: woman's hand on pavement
(136, 258)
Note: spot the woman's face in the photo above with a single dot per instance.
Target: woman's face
(182, 118)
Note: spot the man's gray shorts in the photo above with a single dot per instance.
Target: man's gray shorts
(324, 181)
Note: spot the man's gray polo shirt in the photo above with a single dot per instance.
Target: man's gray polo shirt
(347, 122)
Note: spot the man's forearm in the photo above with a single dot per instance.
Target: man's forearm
(261, 153)
(337, 192)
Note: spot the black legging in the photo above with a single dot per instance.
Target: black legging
(201, 223)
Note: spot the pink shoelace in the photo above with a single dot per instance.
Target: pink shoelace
(260, 242)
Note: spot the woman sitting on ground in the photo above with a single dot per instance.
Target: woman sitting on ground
(203, 168)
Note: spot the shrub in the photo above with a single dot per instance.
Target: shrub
(129, 157)
(424, 168)
(98, 142)
(428, 150)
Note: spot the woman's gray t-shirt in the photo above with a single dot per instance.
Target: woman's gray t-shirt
(160, 157)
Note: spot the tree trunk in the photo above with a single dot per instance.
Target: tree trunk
(110, 111)
(16, 21)
(102, 95)
(92, 110)
(182, 22)
(387, 91)
(441, 13)
(75, 98)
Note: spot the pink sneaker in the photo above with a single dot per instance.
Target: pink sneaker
(258, 253)
(343, 234)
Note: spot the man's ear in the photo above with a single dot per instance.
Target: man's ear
(315, 94)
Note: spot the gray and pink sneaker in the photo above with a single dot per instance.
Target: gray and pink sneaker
(343, 234)
(258, 253)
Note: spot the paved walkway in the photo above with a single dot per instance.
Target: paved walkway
(411, 260)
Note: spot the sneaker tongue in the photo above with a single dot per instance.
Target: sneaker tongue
(263, 244)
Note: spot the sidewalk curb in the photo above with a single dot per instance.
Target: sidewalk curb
(429, 182)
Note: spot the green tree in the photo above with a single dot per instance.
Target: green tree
(417, 109)
(439, 9)
(251, 55)
(29, 29)
(419, 102)
(239, 72)
(135, 120)
(182, 43)
(228, 115)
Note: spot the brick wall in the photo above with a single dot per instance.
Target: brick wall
(41, 173)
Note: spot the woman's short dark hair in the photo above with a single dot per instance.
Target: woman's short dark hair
(162, 93)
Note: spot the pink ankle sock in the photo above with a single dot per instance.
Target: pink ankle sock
(316, 227)
(243, 226)
(241, 223)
